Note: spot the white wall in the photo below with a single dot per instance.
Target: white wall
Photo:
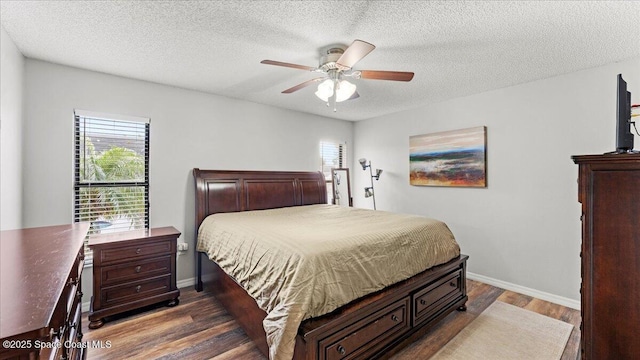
(524, 228)
(11, 120)
(188, 129)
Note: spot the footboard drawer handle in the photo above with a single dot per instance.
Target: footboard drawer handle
(423, 302)
(138, 251)
(138, 288)
(394, 318)
(138, 268)
(341, 350)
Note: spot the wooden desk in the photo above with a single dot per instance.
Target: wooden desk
(40, 297)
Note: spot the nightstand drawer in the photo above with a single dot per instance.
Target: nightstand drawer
(141, 269)
(139, 250)
(132, 291)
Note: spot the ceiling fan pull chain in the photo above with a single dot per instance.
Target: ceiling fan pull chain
(336, 87)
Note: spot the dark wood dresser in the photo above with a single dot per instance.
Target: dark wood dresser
(131, 270)
(40, 297)
(609, 190)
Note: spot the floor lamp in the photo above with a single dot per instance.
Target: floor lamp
(368, 191)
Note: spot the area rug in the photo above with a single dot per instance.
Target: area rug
(508, 332)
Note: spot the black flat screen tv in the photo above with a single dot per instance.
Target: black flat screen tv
(624, 136)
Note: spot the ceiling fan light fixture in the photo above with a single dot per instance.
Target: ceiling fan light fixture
(344, 90)
(336, 64)
(325, 90)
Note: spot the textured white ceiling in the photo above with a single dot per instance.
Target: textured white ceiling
(455, 48)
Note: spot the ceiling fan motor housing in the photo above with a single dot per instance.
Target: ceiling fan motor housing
(328, 61)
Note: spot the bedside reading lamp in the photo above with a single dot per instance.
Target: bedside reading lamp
(368, 191)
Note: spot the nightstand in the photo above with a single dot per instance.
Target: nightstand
(131, 270)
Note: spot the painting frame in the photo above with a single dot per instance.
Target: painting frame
(454, 158)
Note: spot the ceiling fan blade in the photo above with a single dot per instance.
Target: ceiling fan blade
(386, 75)
(354, 96)
(302, 85)
(280, 63)
(354, 53)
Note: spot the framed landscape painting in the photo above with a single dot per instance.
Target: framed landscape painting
(450, 158)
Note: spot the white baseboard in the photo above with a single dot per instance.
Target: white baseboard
(186, 283)
(560, 300)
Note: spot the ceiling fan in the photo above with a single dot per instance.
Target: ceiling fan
(336, 65)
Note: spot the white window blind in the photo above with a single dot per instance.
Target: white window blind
(332, 155)
(111, 177)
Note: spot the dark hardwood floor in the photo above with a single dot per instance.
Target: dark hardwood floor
(199, 328)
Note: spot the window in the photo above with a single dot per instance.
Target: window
(111, 173)
(332, 155)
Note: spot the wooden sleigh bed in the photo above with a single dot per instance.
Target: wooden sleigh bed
(374, 326)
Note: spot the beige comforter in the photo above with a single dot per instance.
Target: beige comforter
(305, 261)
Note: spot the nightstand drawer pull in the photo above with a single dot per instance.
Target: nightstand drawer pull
(138, 251)
(453, 284)
(423, 302)
(394, 318)
(138, 268)
(138, 288)
(341, 350)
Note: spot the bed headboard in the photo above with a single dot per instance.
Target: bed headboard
(220, 191)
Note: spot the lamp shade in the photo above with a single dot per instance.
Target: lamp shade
(363, 163)
(368, 192)
(325, 90)
(344, 90)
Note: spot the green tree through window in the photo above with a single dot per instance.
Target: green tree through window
(111, 174)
